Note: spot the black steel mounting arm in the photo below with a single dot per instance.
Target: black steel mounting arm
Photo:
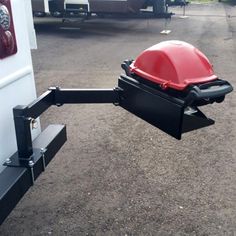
(58, 96)
(25, 115)
(32, 156)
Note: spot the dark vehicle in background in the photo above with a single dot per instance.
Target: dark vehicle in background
(100, 7)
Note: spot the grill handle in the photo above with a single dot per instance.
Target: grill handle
(125, 66)
(211, 90)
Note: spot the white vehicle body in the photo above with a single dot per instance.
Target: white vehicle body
(17, 85)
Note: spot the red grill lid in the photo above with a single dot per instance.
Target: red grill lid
(173, 64)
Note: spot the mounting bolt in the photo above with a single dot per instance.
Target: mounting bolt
(34, 123)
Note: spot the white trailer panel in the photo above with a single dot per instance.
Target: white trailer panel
(17, 86)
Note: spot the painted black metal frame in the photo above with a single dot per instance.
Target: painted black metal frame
(32, 157)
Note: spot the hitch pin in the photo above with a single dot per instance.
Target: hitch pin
(42, 151)
(31, 164)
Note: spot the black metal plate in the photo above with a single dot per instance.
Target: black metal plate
(152, 106)
(15, 162)
(160, 109)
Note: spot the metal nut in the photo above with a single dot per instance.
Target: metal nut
(31, 163)
(43, 150)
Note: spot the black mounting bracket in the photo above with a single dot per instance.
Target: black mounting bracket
(168, 113)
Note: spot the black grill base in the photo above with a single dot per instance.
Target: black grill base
(159, 109)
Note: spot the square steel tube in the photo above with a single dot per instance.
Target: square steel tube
(15, 181)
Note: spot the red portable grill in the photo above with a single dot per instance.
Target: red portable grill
(173, 64)
(166, 84)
